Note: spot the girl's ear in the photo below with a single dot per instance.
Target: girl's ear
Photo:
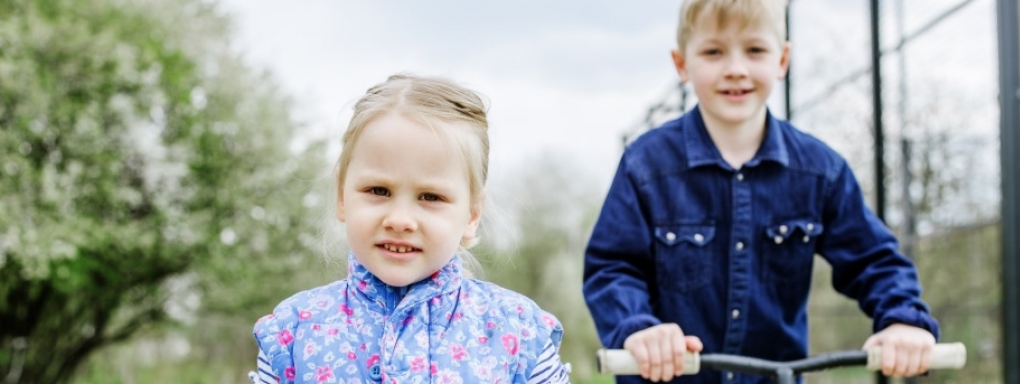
(471, 229)
(680, 63)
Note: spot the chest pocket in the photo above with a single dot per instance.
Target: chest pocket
(683, 256)
(789, 250)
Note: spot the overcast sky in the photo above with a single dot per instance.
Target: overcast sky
(568, 77)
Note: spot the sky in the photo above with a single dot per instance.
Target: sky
(570, 77)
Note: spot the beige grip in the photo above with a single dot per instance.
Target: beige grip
(621, 362)
(943, 356)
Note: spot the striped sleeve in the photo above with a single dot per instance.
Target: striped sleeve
(264, 375)
(549, 368)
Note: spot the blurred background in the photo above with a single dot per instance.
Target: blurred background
(165, 165)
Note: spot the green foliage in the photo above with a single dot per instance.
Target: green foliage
(139, 165)
(554, 208)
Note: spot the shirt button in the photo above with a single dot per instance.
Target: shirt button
(807, 239)
(698, 237)
(740, 177)
(783, 229)
(729, 375)
(810, 227)
(736, 313)
(740, 246)
(670, 236)
(779, 239)
(375, 373)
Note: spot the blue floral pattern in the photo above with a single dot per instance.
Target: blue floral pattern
(444, 329)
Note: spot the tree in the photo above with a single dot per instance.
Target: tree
(139, 157)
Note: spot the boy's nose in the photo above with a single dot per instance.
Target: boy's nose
(400, 219)
(735, 67)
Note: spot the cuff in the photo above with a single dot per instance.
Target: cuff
(627, 327)
(909, 316)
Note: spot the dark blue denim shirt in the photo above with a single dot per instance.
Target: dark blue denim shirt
(727, 253)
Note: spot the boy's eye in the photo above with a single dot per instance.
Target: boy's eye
(757, 50)
(711, 52)
(431, 197)
(379, 191)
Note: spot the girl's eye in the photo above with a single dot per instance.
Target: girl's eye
(379, 191)
(431, 197)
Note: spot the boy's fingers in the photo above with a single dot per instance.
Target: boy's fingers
(668, 358)
(693, 343)
(888, 359)
(679, 347)
(902, 362)
(914, 363)
(654, 360)
(640, 353)
(925, 360)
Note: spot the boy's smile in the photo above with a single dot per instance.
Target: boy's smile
(732, 69)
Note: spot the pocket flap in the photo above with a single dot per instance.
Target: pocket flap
(785, 229)
(697, 235)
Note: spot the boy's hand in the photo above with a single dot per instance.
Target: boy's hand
(906, 350)
(659, 350)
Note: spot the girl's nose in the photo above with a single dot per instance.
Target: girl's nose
(400, 219)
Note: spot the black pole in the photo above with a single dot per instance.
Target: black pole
(876, 91)
(1009, 125)
(876, 97)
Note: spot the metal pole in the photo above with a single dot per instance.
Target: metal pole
(909, 216)
(1009, 125)
(876, 90)
(789, 71)
(876, 97)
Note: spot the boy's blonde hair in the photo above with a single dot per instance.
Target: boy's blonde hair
(429, 101)
(695, 13)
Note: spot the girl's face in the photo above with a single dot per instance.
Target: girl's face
(406, 200)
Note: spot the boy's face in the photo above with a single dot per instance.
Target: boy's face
(732, 69)
(406, 200)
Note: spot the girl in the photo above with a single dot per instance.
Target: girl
(411, 179)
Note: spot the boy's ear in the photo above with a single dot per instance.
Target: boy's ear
(681, 64)
(784, 60)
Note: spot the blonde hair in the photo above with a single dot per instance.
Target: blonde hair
(429, 101)
(695, 13)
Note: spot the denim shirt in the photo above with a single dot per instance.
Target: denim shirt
(445, 328)
(727, 253)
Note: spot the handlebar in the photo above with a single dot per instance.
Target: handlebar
(621, 362)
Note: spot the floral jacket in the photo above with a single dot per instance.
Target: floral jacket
(445, 329)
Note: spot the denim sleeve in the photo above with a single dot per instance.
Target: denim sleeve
(866, 263)
(619, 268)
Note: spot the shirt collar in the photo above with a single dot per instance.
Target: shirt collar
(390, 298)
(702, 151)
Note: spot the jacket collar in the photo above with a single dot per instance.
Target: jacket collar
(701, 150)
(390, 298)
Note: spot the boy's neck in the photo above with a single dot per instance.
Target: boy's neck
(737, 143)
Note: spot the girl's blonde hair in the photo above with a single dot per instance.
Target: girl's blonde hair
(695, 13)
(429, 101)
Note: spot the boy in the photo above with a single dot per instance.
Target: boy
(712, 220)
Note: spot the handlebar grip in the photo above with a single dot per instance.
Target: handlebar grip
(943, 356)
(621, 362)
